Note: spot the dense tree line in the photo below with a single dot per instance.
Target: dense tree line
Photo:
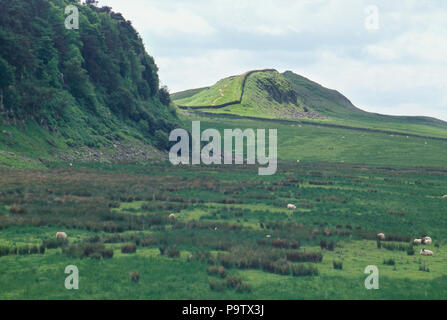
(100, 72)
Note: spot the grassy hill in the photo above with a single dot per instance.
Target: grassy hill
(86, 94)
(273, 95)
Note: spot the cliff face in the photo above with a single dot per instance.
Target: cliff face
(87, 87)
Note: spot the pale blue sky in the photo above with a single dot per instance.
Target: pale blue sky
(399, 68)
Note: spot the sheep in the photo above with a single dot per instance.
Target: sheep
(444, 196)
(426, 240)
(61, 235)
(268, 236)
(381, 236)
(417, 241)
(426, 252)
(291, 206)
(172, 216)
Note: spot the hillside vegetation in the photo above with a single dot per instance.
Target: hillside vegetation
(269, 94)
(95, 87)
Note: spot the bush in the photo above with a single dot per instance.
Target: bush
(217, 285)
(281, 267)
(203, 256)
(16, 209)
(107, 253)
(338, 265)
(278, 243)
(325, 245)
(173, 252)
(216, 270)
(296, 256)
(302, 270)
(130, 247)
(4, 251)
(135, 276)
(23, 250)
(389, 262)
(88, 250)
(54, 243)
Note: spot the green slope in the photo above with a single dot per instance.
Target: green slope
(273, 95)
(310, 143)
(92, 91)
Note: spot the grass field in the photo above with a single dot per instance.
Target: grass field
(223, 223)
(232, 236)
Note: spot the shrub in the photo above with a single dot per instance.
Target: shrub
(23, 250)
(135, 276)
(237, 284)
(217, 285)
(203, 256)
(54, 243)
(389, 262)
(294, 244)
(243, 287)
(173, 252)
(325, 245)
(281, 267)
(278, 243)
(15, 208)
(107, 253)
(130, 247)
(297, 256)
(337, 265)
(88, 250)
(303, 270)
(34, 250)
(216, 270)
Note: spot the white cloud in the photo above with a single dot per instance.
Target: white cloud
(157, 18)
(201, 70)
(380, 52)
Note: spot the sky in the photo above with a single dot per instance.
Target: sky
(385, 56)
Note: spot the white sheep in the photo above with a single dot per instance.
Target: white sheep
(426, 252)
(61, 235)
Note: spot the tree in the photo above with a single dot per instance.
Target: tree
(91, 2)
(6, 77)
(164, 95)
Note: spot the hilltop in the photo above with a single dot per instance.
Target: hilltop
(86, 94)
(269, 94)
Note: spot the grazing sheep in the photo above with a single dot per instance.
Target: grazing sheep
(444, 196)
(426, 252)
(172, 216)
(381, 236)
(268, 236)
(61, 235)
(291, 206)
(417, 241)
(426, 240)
